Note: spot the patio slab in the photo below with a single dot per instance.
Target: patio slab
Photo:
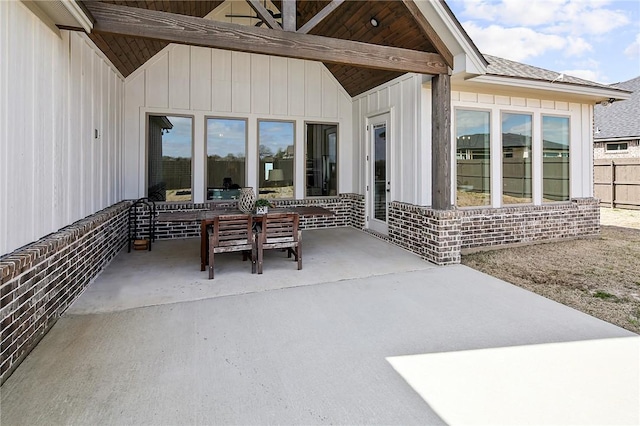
(170, 272)
(429, 345)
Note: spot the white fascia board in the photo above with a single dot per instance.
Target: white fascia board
(617, 139)
(593, 93)
(78, 14)
(466, 59)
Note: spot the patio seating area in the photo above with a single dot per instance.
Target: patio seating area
(366, 333)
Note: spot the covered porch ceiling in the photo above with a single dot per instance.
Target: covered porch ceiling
(131, 32)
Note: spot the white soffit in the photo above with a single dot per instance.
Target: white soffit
(66, 13)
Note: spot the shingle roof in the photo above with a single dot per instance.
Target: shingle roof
(622, 118)
(506, 68)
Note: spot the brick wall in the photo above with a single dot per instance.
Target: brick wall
(526, 224)
(40, 281)
(440, 236)
(348, 210)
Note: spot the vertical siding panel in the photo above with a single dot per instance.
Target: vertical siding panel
(278, 85)
(157, 82)
(406, 141)
(313, 89)
(241, 82)
(383, 97)
(200, 78)
(134, 99)
(372, 102)
(105, 137)
(4, 110)
(329, 96)
(86, 136)
(179, 66)
(60, 113)
(222, 92)
(260, 84)
(27, 139)
(74, 126)
(48, 168)
(50, 89)
(295, 86)
(346, 159)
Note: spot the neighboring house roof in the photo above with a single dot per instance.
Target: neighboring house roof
(619, 119)
(506, 68)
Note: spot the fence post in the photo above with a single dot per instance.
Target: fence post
(613, 183)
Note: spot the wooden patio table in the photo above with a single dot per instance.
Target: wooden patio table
(206, 218)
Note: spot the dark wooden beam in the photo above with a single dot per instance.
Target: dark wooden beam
(264, 14)
(441, 142)
(426, 27)
(319, 17)
(174, 28)
(289, 15)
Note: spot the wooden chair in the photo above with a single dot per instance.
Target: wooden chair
(230, 233)
(280, 231)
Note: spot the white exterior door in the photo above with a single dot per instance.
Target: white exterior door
(379, 183)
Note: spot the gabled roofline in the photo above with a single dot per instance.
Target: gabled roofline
(467, 57)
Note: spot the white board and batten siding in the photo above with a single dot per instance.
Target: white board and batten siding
(56, 90)
(580, 143)
(203, 82)
(410, 151)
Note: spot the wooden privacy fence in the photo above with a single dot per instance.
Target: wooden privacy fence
(617, 182)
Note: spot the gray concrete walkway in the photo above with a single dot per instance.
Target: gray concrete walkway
(365, 334)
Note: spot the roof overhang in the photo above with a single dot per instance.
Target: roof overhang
(537, 87)
(62, 13)
(467, 58)
(616, 139)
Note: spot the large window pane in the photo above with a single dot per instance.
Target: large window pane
(226, 157)
(322, 160)
(276, 156)
(169, 158)
(516, 158)
(473, 168)
(555, 158)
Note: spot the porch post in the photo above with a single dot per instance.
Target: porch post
(441, 142)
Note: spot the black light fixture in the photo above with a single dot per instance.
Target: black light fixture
(374, 22)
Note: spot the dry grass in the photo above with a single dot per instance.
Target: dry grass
(598, 276)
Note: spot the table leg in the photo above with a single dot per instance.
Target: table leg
(203, 245)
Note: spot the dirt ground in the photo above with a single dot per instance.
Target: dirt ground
(598, 276)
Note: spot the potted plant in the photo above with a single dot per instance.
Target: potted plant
(262, 206)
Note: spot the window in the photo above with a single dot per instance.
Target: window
(621, 146)
(321, 160)
(473, 168)
(276, 159)
(555, 158)
(226, 157)
(170, 146)
(516, 158)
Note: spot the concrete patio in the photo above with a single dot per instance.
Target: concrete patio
(366, 333)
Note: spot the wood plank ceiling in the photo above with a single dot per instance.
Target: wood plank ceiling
(350, 21)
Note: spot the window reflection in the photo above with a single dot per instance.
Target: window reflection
(170, 141)
(276, 159)
(321, 160)
(473, 168)
(555, 158)
(226, 157)
(516, 158)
